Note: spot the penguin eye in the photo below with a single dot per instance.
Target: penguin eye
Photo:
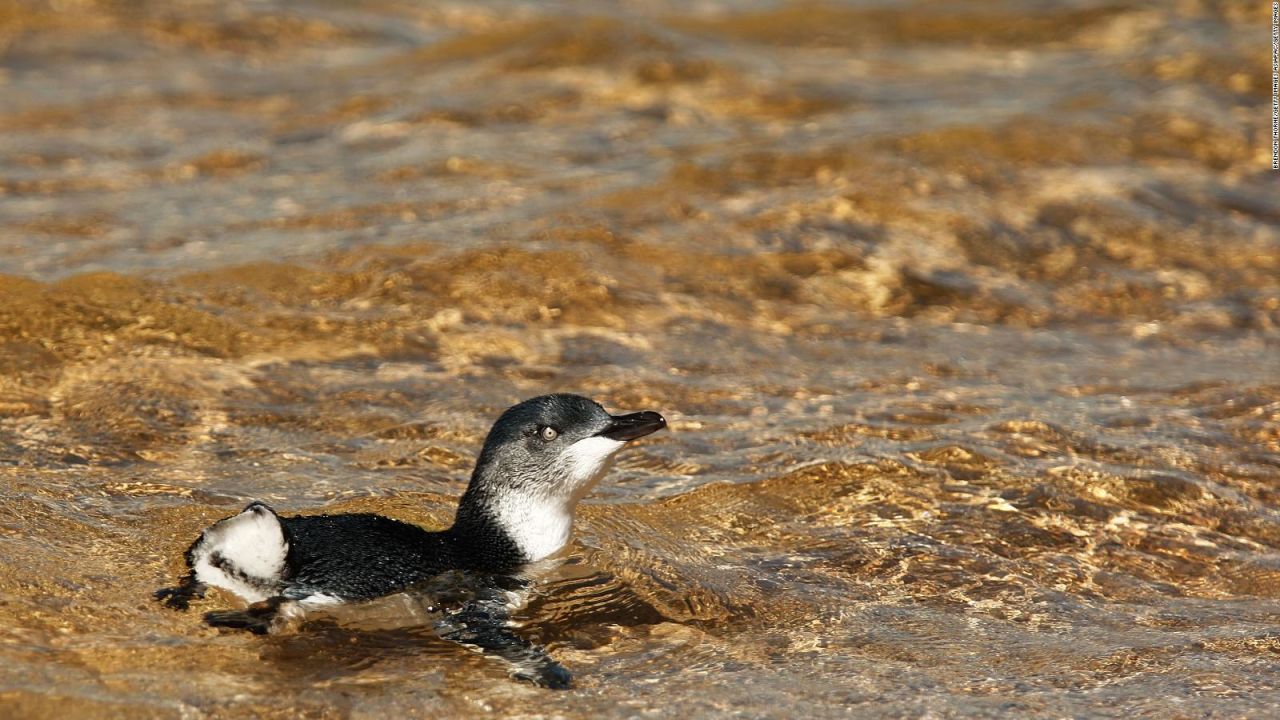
(548, 433)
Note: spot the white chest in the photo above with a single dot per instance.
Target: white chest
(539, 526)
(540, 519)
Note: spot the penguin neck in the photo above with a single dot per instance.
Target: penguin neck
(529, 513)
(503, 529)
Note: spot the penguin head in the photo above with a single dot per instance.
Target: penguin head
(540, 458)
(558, 444)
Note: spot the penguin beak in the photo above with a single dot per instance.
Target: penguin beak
(635, 425)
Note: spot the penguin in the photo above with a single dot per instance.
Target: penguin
(541, 457)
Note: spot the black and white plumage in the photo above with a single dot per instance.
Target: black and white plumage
(540, 458)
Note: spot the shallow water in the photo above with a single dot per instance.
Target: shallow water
(964, 317)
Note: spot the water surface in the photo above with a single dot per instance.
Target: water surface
(964, 317)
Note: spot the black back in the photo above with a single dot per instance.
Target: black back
(361, 556)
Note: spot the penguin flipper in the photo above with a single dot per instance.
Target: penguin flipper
(260, 618)
(179, 597)
(487, 631)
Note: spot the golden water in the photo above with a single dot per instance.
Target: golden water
(964, 316)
